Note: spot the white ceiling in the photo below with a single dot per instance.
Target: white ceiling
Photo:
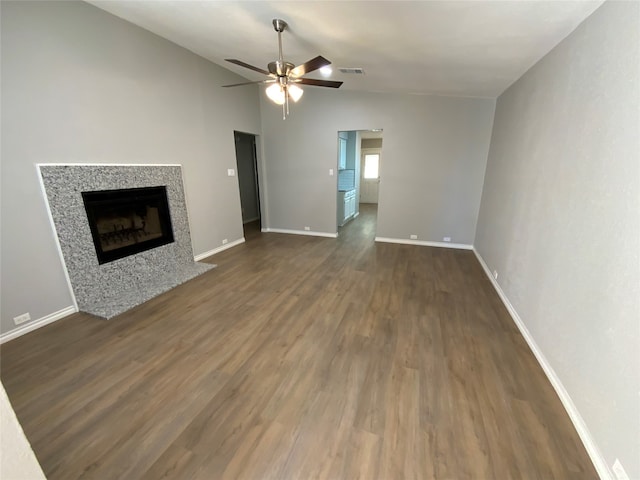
(465, 48)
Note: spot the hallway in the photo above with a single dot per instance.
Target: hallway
(364, 225)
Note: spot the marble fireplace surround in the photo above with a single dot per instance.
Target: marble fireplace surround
(112, 288)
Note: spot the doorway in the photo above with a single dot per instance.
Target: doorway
(359, 155)
(248, 182)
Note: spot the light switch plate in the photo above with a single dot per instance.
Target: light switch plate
(231, 172)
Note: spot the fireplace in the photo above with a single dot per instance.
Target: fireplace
(128, 221)
(109, 288)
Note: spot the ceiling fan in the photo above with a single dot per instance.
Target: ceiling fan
(285, 76)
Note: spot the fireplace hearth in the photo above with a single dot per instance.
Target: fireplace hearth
(127, 221)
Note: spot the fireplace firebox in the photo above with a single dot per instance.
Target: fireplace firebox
(128, 221)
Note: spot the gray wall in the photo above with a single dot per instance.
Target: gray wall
(560, 219)
(80, 85)
(435, 151)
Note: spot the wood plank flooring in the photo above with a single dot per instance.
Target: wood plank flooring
(298, 358)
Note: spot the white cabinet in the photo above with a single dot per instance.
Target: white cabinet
(342, 153)
(346, 206)
(341, 209)
(352, 204)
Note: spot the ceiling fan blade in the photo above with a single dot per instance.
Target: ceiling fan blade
(310, 66)
(318, 83)
(246, 65)
(249, 83)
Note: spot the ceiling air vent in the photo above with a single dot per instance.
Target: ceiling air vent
(352, 70)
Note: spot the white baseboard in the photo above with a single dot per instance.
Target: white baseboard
(202, 256)
(593, 451)
(40, 322)
(424, 243)
(300, 232)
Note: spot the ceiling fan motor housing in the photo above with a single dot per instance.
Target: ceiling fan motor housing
(281, 69)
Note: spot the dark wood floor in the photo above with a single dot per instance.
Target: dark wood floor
(298, 358)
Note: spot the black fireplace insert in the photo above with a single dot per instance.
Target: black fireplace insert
(128, 221)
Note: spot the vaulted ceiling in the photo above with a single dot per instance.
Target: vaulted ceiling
(461, 48)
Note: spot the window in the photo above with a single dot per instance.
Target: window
(371, 162)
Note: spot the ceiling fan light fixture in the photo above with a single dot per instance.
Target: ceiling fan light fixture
(284, 75)
(275, 93)
(295, 92)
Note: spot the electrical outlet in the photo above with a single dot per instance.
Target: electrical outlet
(446, 239)
(413, 237)
(25, 317)
(495, 274)
(331, 172)
(225, 241)
(619, 471)
(306, 229)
